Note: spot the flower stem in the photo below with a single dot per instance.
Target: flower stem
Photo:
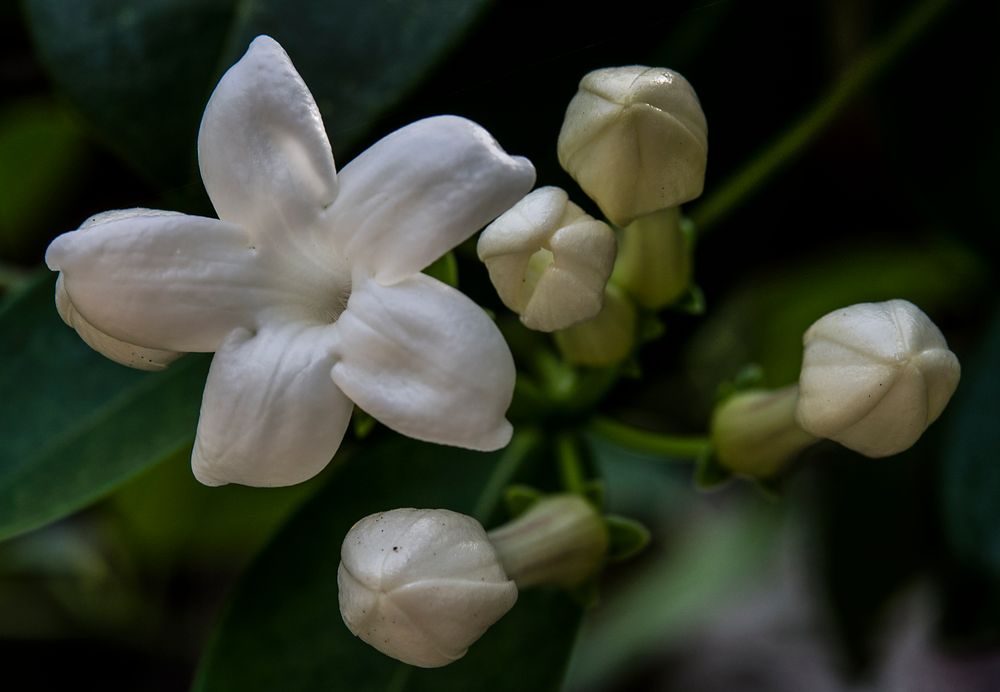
(670, 446)
(570, 465)
(741, 185)
(521, 445)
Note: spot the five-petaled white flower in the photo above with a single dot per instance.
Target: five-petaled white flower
(307, 288)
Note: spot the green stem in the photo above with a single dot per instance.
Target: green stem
(11, 277)
(570, 465)
(521, 445)
(672, 446)
(741, 185)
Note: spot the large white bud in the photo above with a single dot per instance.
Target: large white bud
(549, 260)
(874, 376)
(421, 585)
(636, 140)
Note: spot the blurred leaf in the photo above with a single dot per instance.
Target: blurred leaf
(971, 469)
(668, 597)
(283, 628)
(763, 320)
(73, 425)
(41, 148)
(142, 72)
(218, 526)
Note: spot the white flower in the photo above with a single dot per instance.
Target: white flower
(636, 140)
(549, 260)
(874, 376)
(421, 585)
(308, 289)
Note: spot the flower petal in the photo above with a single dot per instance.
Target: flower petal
(161, 280)
(427, 362)
(121, 352)
(264, 154)
(422, 190)
(270, 415)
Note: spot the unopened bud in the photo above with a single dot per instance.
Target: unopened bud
(421, 585)
(636, 140)
(549, 260)
(754, 432)
(654, 260)
(604, 340)
(874, 376)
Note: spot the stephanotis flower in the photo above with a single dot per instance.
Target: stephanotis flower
(308, 286)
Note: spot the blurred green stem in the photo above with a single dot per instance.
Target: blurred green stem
(570, 465)
(11, 277)
(521, 445)
(672, 446)
(742, 184)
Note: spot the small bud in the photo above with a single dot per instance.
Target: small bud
(549, 260)
(421, 585)
(754, 431)
(606, 339)
(874, 376)
(654, 260)
(636, 140)
(560, 541)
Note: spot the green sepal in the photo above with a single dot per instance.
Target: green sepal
(769, 488)
(650, 328)
(444, 269)
(626, 537)
(709, 474)
(691, 302)
(750, 376)
(518, 499)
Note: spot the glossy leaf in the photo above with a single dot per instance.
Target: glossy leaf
(74, 425)
(142, 72)
(283, 628)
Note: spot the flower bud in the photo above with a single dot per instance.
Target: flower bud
(421, 585)
(636, 140)
(604, 340)
(874, 376)
(549, 260)
(754, 431)
(560, 541)
(654, 260)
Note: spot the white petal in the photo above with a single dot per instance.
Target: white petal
(270, 415)
(161, 280)
(264, 155)
(121, 352)
(422, 190)
(427, 362)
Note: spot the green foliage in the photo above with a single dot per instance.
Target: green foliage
(359, 60)
(41, 149)
(971, 469)
(74, 425)
(283, 628)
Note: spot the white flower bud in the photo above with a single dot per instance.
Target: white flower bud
(754, 431)
(874, 376)
(421, 585)
(549, 260)
(605, 340)
(636, 140)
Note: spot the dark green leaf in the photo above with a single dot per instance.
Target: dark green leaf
(73, 425)
(971, 471)
(283, 629)
(709, 474)
(142, 72)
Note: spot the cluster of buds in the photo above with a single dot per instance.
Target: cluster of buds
(874, 377)
(635, 139)
(422, 585)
